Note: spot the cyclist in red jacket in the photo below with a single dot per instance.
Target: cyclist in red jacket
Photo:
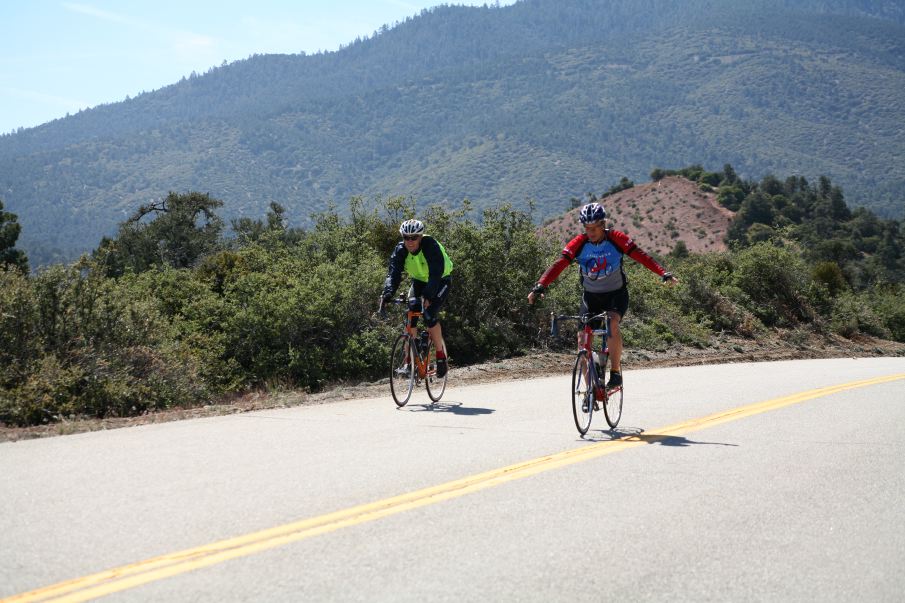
(598, 253)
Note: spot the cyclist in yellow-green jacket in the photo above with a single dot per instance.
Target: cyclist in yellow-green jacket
(426, 262)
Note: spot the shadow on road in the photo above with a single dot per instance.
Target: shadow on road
(455, 408)
(636, 434)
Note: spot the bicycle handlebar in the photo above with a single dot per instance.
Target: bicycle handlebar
(584, 319)
(398, 300)
(381, 310)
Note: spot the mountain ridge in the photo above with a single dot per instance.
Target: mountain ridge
(537, 101)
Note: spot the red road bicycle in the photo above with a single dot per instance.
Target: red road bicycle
(413, 360)
(588, 390)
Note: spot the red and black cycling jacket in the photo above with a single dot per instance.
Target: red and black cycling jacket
(619, 240)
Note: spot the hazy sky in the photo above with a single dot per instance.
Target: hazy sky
(57, 56)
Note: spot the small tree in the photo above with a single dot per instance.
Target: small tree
(679, 250)
(9, 234)
(184, 229)
(248, 230)
(729, 175)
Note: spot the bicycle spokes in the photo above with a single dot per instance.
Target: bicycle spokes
(402, 370)
(582, 393)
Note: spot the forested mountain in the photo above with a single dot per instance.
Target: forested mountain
(542, 100)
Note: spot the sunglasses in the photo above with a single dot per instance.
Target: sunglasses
(411, 237)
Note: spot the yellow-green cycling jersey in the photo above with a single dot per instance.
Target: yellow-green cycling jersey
(428, 265)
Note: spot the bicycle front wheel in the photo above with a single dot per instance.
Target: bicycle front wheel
(435, 385)
(582, 393)
(402, 370)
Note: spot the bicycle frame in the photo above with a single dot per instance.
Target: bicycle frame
(588, 339)
(419, 358)
(586, 401)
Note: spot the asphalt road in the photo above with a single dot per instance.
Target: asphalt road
(489, 495)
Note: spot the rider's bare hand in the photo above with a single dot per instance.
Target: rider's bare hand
(670, 279)
(537, 291)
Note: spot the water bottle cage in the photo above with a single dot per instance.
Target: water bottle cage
(423, 342)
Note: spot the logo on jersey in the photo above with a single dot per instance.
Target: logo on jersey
(594, 267)
(599, 260)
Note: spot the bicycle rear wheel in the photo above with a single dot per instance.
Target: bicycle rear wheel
(435, 385)
(612, 404)
(402, 370)
(582, 393)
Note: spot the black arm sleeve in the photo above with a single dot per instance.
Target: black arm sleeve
(435, 266)
(394, 273)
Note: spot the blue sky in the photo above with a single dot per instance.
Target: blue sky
(57, 57)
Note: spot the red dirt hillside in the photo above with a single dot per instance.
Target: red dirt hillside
(657, 215)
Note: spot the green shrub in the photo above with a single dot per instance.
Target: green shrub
(710, 179)
(829, 274)
(96, 346)
(775, 281)
(709, 295)
(853, 314)
(20, 343)
(888, 304)
(657, 310)
(48, 393)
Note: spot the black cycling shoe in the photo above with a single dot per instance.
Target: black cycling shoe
(615, 380)
(441, 367)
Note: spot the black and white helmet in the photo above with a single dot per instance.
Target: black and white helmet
(412, 227)
(592, 212)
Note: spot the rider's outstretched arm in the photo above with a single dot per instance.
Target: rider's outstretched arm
(568, 255)
(551, 273)
(629, 248)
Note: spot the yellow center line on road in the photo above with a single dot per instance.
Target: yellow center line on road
(158, 568)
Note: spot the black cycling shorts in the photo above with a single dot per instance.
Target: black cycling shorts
(431, 315)
(597, 303)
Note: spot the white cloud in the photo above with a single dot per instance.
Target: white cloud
(188, 46)
(192, 41)
(92, 11)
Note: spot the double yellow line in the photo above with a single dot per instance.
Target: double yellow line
(158, 568)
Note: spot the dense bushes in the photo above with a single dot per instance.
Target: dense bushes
(292, 308)
(749, 290)
(287, 308)
(75, 343)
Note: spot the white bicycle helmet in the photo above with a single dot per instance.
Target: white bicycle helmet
(592, 212)
(411, 227)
